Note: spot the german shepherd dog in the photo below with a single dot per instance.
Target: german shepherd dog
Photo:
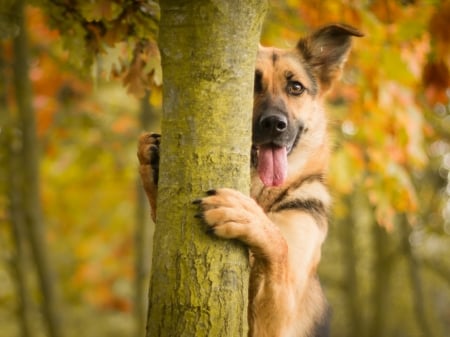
(284, 222)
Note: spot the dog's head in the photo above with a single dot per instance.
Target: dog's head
(289, 87)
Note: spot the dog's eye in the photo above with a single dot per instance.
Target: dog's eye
(295, 88)
(258, 86)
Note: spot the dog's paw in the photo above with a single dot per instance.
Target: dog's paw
(148, 154)
(230, 214)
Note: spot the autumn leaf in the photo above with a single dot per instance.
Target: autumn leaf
(144, 70)
(386, 11)
(439, 30)
(99, 10)
(436, 78)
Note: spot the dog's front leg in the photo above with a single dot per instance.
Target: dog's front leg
(148, 155)
(232, 215)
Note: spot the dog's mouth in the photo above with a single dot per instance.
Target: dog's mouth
(270, 160)
(271, 147)
(272, 164)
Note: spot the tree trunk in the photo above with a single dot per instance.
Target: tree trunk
(418, 296)
(199, 284)
(382, 272)
(351, 281)
(19, 261)
(30, 180)
(10, 144)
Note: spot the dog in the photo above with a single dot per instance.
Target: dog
(284, 222)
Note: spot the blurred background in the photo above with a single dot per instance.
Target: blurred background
(84, 81)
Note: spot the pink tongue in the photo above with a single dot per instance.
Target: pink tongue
(272, 165)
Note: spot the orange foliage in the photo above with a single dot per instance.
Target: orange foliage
(53, 86)
(436, 76)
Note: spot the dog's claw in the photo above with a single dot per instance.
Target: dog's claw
(197, 201)
(198, 215)
(211, 192)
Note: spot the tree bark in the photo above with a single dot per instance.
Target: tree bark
(199, 284)
(30, 180)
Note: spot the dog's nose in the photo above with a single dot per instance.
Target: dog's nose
(274, 124)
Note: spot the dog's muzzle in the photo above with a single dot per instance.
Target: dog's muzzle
(274, 127)
(274, 136)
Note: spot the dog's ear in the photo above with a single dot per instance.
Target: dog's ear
(326, 51)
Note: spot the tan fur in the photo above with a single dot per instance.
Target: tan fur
(284, 226)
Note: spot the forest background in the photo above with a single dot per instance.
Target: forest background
(96, 85)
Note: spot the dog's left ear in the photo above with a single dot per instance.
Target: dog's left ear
(326, 51)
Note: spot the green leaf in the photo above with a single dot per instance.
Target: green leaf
(99, 10)
(394, 67)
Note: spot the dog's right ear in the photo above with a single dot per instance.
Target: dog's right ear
(326, 51)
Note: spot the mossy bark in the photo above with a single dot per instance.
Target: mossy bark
(199, 283)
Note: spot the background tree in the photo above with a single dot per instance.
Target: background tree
(208, 64)
(10, 142)
(24, 175)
